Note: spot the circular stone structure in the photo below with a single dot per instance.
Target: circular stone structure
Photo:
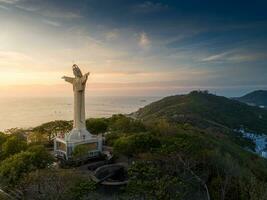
(112, 174)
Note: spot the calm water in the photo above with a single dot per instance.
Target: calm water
(29, 112)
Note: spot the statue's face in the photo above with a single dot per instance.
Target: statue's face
(76, 71)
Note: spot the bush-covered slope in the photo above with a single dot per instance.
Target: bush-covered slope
(205, 110)
(167, 161)
(179, 161)
(257, 98)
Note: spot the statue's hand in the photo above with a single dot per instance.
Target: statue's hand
(68, 79)
(85, 76)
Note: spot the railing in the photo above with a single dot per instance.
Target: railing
(10, 194)
(60, 154)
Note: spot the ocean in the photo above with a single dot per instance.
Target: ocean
(26, 112)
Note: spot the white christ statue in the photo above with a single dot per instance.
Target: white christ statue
(79, 84)
(79, 135)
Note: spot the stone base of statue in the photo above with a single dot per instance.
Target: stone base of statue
(65, 144)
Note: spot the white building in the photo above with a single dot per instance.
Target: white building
(64, 147)
(260, 141)
(264, 154)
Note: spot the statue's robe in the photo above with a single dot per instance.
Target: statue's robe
(79, 84)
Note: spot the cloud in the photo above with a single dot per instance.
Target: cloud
(9, 1)
(112, 35)
(144, 41)
(28, 8)
(149, 7)
(14, 62)
(4, 7)
(46, 9)
(235, 56)
(52, 23)
(60, 14)
(13, 56)
(247, 57)
(216, 57)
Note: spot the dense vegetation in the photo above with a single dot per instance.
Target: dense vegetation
(184, 162)
(178, 148)
(19, 158)
(257, 98)
(206, 110)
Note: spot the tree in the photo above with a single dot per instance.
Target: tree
(56, 184)
(80, 151)
(148, 181)
(111, 137)
(162, 127)
(19, 132)
(143, 142)
(137, 143)
(37, 137)
(17, 166)
(97, 125)
(13, 145)
(3, 138)
(123, 146)
(41, 158)
(51, 129)
(226, 171)
(252, 188)
(81, 189)
(124, 124)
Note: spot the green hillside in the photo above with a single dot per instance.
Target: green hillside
(167, 161)
(257, 98)
(206, 110)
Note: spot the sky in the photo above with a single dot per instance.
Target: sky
(133, 47)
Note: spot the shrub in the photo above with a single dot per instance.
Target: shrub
(97, 125)
(13, 145)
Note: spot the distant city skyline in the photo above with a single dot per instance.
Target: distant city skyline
(133, 48)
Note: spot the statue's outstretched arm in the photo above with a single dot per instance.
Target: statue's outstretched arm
(68, 79)
(85, 76)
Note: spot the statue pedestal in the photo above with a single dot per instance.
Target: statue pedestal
(65, 145)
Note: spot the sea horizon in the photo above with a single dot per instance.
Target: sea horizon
(26, 112)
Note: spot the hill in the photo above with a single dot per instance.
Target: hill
(256, 98)
(166, 160)
(206, 110)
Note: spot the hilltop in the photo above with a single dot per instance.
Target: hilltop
(256, 98)
(167, 160)
(206, 110)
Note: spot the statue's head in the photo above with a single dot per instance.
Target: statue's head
(76, 71)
